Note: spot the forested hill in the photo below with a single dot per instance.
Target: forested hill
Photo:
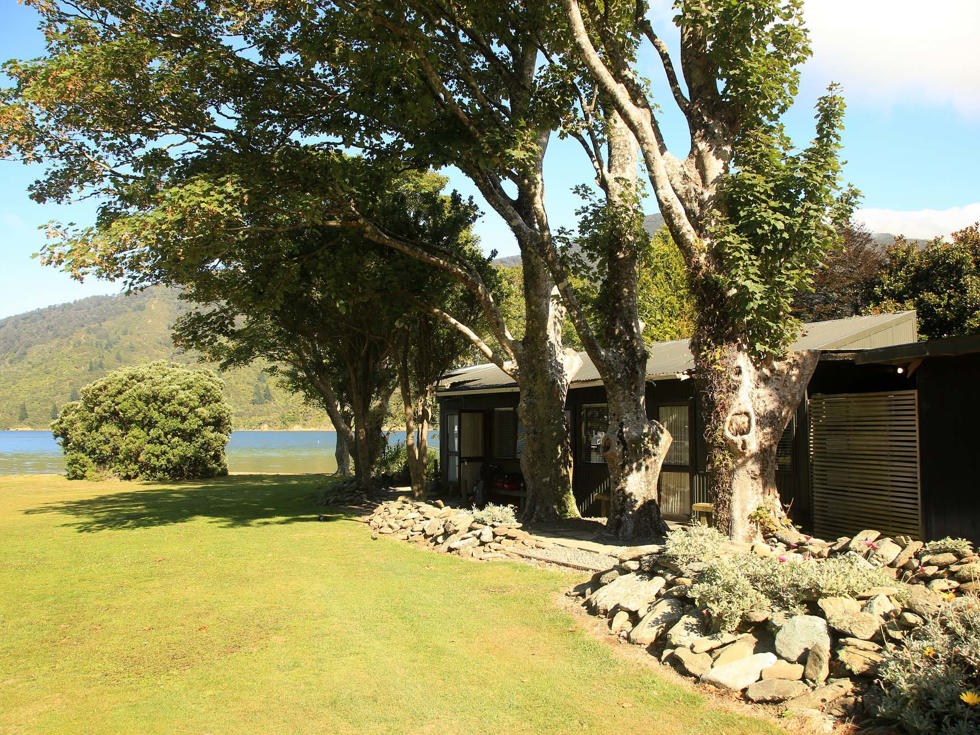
(47, 355)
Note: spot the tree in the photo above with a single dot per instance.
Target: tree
(22, 412)
(127, 99)
(152, 422)
(751, 216)
(940, 280)
(842, 284)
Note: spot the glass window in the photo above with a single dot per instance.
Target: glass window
(595, 421)
(504, 433)
(452, 447)
(471, 434)
(675, 494)
(676, 419)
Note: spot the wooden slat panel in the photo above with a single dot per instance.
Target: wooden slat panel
(864, 458)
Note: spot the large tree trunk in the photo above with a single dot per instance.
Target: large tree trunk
(342, 454)
(369, 438)
(543, 377)
(634, 449)
(747, 407)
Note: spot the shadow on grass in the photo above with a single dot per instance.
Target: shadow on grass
(233, 502)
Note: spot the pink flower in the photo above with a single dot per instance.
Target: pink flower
(782, 558)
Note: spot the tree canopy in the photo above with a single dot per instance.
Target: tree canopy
(940, 280)
(152, 422)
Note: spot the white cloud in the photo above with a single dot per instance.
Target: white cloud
(924, 223)
(891, 51)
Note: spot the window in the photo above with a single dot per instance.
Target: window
(504, 433)
(471, 434)
(676, 419)
(595, 421)
(452, 447)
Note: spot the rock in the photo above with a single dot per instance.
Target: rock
(621, 623)
(743, 647)
(817, 667)
(630, 592)
(799, 635)
(434, 527)
(635, 552)
(463, 543)
(942, 585)
(711, 642)
(690, 663)
(486, 535)
(775, 690)
(885, 553)
(844, 615)
(662, 615)
(860, 644)
(631, 566)
(922, 601)
(840, 544)
(685, 631)
(972, 587)
(910, 620)
(760, 549)
(875, 591)
(894, 630)
(906, 554)
(879, 606)
(783, 670)
(863, 540)
(940, 560)
(738, 675)
(821, 696)
(757, 616)
(603, 578)
(968, 572)
(859, 662)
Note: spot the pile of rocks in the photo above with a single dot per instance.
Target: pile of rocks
(449, 529)
(901, 557)
(822, 659)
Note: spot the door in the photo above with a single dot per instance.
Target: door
(675, 476)
(471, 450)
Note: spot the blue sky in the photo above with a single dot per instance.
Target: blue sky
(910, 74)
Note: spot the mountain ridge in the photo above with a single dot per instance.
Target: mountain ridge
(48, 354)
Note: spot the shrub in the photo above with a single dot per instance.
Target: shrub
(695, 543)
(492, 514)
(153, 422)
(932, 684)
(392, 465)
(955, 545)
(728, 585)
(727, 593)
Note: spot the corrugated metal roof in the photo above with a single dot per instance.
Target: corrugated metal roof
(671, 359)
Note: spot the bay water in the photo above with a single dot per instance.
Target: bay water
(273, 452)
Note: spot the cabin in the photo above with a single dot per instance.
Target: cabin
(878, 441)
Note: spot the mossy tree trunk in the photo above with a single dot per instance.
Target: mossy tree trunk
(748, 406)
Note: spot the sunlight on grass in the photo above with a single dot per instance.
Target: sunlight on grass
(224, 606)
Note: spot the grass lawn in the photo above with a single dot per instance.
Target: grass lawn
(225, 607)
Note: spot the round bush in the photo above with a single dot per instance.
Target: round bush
(152, 422)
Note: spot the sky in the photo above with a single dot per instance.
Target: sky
(909, 72)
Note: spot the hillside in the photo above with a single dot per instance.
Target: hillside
(48, 354)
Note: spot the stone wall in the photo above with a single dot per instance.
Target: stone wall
(822, 658)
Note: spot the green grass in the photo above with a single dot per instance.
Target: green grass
(225, 607)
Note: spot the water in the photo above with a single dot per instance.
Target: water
(276, 452)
